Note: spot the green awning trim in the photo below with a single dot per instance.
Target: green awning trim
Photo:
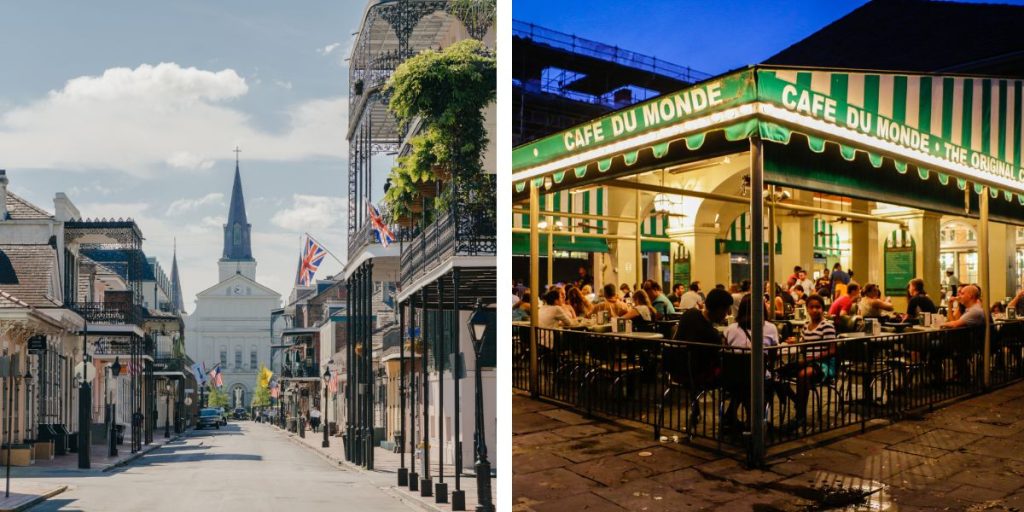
(695, 141)
(1007, 196)
(741, 130)
(521, 186)
(994, 192)
(725, 246)
(977, 188)
(559, 176)
(901, 167)
(521, 243)
(660, 149)
(581, 171)
(630, 157)
(961, 183)
(538, 182)
(849, 153)
(662, 247)
(876, 160)
(604, 165)
(943, 178)
(775, 132)
(1020, 199)
(921, 172)
(817, 144)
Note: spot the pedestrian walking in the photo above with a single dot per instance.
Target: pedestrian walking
(314, 419)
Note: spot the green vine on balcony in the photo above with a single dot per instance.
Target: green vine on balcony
(447, 90)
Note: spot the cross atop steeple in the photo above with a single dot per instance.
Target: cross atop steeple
(237, 151)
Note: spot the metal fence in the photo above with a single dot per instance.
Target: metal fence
(699, 390)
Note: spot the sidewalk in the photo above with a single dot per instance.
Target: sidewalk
(967, 456)
(24, 495)
(98, 458)
(385, 471)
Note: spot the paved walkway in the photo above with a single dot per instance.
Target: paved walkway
(967, 456)
(26, 494)
(386, 464)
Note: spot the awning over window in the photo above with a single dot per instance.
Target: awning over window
(593, 201)
(737, 239)
(950, 132)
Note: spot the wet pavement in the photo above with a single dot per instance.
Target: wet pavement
(966, 456)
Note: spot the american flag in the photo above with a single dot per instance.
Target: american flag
(215, 377)
(332, 385)
(275, 390)
(312, 256)
(384, 234)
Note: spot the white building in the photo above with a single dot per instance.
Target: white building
(230, 325)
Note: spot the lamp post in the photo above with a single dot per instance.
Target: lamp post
(115, 371)
(478, 323)
(327, 378)
(84, 407)
(167, 410)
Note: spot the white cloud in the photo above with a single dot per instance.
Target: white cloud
(326, 50)
(179, 206)
(154, 118)
(213, 221)
(284, 84)
(310, 212)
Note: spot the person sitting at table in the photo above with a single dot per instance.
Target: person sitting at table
(698, 325)
(998, 311)
(658, 300)
(803, 281)
(588, 293)
(1017, 303)
(742, 289)
(552, 315)
(641, 308)
(798, 294)
(843, 304)
(691, 299)
(970, 298)
(677, 293)
(872, 305)
(738, 333)
(814, 364)
(611, 303)
(580, 305)
(626, 292)
(919, 301)
(522, 309)
(565, 303)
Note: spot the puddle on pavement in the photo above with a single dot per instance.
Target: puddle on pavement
(834, 492)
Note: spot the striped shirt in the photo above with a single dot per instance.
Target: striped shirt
(823, 331)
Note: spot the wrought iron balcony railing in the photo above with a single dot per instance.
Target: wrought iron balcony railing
(299, 370)
(358, 240)
(123, 347)
(465, 231)
(115, 313)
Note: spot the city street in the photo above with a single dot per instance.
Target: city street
(242, 466)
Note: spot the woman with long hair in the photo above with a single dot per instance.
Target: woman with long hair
(641, 307)
(578, 302)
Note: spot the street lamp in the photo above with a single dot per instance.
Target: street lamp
(115, 371)
(167, 410)
(327, 378)
(478, 323)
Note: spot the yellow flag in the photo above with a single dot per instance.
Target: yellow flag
(265, 375)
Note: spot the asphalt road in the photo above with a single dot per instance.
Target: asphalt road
(240, 467)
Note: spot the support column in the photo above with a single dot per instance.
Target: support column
(864, 240)
(923, 227)
(757, 447)
(797, 239)
(986, 285)
(534, 286)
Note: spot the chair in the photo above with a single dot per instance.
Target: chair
(614, 360)
(687, 367)
(865, 360)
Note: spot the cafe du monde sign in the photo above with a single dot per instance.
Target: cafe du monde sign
(970, 122)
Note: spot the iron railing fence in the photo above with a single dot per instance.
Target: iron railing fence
(700, 390)
(114, 313)
(466, 231)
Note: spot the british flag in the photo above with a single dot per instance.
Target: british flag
(332, 384)
(312, 256)
(384, 235)
(215, 377)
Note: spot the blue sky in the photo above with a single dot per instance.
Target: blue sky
(133, 108)
(712, 37)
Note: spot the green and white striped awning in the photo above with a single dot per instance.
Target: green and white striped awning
(954, 129)
(826, 240)
(592, 201)
(655, 226)
(737, 239)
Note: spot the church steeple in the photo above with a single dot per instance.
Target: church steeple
(176, 300)
(237, 232)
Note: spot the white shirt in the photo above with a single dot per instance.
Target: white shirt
(807, 285)
(644, 311)
(553, 317)
(689, 300)
(735, 336)
(315, 414)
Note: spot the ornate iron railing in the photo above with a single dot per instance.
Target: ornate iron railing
(697, 390)
(465, 231)
(361, 238)
(115, 313)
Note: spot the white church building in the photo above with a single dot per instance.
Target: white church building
(230, 324)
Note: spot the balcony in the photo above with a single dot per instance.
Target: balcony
(468, 230)
(112, 313)
(358, 240)
(122, 346)
(300, 369)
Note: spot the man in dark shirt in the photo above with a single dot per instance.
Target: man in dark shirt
(584, 278)
(919, 301)
(698, 325)
(677, 291)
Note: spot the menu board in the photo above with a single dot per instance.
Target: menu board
(899, 269)
(681, 273)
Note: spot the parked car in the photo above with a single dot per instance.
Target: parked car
(241, 414)
(210, 417)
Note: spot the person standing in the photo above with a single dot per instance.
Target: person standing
(584, 279)
(950, 284)
(314, 419)
(838, 277)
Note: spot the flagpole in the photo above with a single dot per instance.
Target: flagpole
(324, 247)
